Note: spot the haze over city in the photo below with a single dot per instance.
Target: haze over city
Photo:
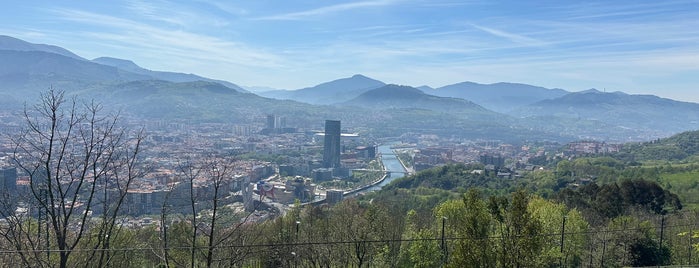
(638, 48)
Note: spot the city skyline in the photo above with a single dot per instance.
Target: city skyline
(638, 48)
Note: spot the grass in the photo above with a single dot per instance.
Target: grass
(685, 185)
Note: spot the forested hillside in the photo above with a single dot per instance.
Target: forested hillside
(677, 147)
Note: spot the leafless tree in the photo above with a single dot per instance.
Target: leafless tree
(224, 231)
(164, 253)
(190, 172)
(215, 230)
(77, 159)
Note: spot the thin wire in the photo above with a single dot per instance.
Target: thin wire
(343, 242)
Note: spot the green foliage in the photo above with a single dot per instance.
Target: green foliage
(679, 177)
(456, 178)
(421, 250)
(469, 219)
(636, 244)
(677, 147)
(406, 157)
(424, 252)
(543, 182)
(684, 240)
(684, 184)
(551, 215)
(608, 201)
(606, 225)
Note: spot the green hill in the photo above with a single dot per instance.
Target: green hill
(677, 147)
(643, 116)
(395, 96)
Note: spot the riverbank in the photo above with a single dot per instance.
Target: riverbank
(356, 190)
(389, 161)
(408, 170)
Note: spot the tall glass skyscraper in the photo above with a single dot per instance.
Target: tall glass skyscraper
(331, 146)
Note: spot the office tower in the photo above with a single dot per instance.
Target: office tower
(8, 187)
(8, 180)
(271, 121)
(331, 146)
(282, 122)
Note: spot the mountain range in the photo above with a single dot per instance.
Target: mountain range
(166, 76)
(14, 44)
(395, 96)
(332, 92)
(499, 97)
(619, 111)
(467, 109)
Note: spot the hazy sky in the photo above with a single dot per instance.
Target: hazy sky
(649, 47)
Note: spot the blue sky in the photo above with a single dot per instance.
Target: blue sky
(639, 47)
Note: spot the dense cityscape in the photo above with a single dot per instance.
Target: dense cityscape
(299, 164)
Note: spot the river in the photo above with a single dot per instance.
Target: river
(390, 162)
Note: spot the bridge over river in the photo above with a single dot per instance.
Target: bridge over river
(392, 166)
(389, 171)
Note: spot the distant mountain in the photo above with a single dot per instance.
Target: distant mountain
(377, 109)
(25, 72)
(499, 97)
(426, 89)
(143, 94)
(130, 66)
(336, 91)
(394, 110)
(25, 65)
(648, 114)
(395, 96)
(259, 89)
(198, 100)
(11, 43)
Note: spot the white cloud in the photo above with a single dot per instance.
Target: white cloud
(227, 7)
(515, 38)
(173, 13)
(170, 44)
(328, 10)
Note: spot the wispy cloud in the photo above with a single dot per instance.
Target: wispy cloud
(172, 13)
(591, 11)
(328, 10)
(227, 7)
(152, 11)
(515, 38)
(171, 43)
(449, 3)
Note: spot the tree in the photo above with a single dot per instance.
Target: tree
(519, 231)
(77, 159)
(470, 221)
(552, 217)
(218, 172)
(635, 243)
(423, 250)
(206, 180)
(189, 171)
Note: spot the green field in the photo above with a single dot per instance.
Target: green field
(685, 185)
